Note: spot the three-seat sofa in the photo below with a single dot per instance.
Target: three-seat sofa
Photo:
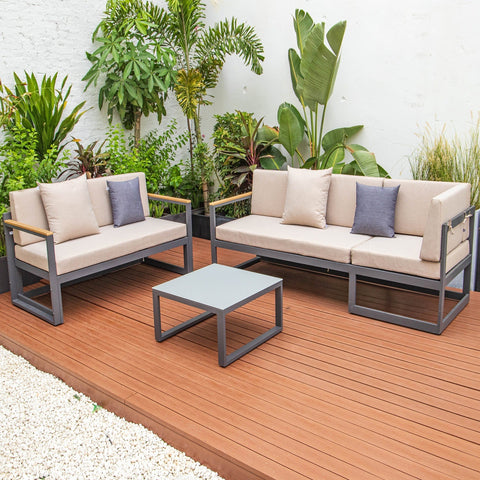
(431, 242)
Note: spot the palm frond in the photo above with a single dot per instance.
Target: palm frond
(189, 90)
(229, 38)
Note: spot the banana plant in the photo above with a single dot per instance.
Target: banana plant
(313, 71)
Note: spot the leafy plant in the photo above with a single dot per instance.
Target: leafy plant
(132, 61)
(313, 71)
(87, 161)
(21, 167)
(455, 160)
(201, 52)
(42, 108)
(153, 156)
(253, 149)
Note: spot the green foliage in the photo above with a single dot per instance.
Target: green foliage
(251, 147)
(313, 71)
(153, 155)
(21, 167)
(201, 53)
(456, 160)
(132, 61)
(40, 107)
(87, 161)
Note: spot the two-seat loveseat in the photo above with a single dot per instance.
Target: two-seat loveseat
(66, 231)
(427, 244)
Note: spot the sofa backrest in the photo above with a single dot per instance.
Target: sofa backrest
(342, 198)
(413, 203)
(97, 187)
(268, 192)
(26, 205)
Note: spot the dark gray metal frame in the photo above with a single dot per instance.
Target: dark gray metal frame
(54, 315)
(223, 359)
(354, 272)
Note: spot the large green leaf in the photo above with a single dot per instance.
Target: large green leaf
(335, 36)
(335, 155)
(303, 24)
(272, 159)
(292, 127)
(366, 162)
(295, 74)
(266, 134)
(339, 135)
(318, 67)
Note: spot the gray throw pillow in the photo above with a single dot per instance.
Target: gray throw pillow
(375, 210)
(126, 202)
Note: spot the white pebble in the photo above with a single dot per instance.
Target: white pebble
(49, 431)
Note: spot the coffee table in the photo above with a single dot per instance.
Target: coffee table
(218, 290)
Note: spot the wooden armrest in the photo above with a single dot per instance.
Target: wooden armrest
(28, 228)
(166, 198)
(236, 198)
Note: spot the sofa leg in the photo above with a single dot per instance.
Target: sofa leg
(56, 299)
(352, 291)
(188, 256)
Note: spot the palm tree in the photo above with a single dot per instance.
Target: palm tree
(201, 52)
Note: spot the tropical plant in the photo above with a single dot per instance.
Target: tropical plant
(39, 107)
(449, 160)
(21, 167)
(153, 155)
(201, 53)
(132, 62)
(254, 149)
(87, 161)
(313, 73)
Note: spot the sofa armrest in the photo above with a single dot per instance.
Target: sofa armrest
(167, 199)
(40, 232)
(226, 201)
(443, 208)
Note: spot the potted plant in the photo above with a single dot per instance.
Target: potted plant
(34, 118)
(313, 71)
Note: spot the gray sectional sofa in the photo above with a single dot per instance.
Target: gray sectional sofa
(65, 231)
(431, 243)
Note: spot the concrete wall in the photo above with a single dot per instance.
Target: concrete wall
(404, 63)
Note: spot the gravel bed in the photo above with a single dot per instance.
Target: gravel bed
(49, 431)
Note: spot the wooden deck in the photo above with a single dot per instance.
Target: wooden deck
(333, 396)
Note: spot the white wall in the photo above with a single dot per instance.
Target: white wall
(404, 63)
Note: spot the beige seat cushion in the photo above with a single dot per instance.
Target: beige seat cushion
(101, 199)
(306, 197)
(110, 243)
(330, 243)
(68, 209)
(402, 254)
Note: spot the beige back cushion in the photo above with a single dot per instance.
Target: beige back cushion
(68, 209)
(342, 198)
(307, 196)
(268, 192)
(97, 188)
(413, 203)
(27, 207)
(443, 207)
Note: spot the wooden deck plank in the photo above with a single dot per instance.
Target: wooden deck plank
(333, 396)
